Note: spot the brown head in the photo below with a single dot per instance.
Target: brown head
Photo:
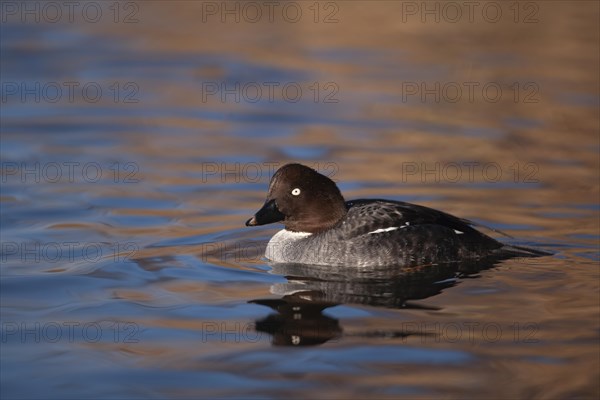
(302, 199)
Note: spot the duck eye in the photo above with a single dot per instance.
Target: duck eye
(296, 191)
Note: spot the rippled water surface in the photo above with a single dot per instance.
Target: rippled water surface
(134, 147)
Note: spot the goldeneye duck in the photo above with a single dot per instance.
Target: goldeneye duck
(322, 228)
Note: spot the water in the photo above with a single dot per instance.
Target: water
(128, 170)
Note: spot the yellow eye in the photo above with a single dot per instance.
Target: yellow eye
(296, 191)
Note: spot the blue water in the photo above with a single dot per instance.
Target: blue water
(126, 268)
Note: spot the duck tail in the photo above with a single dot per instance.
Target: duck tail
(520, 251)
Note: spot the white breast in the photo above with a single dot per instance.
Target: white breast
(281, 246)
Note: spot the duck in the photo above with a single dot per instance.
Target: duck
(322, 228)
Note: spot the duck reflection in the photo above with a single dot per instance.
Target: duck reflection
(299, 320)
(311, 289)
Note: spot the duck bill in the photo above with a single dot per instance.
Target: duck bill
(268, 214)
